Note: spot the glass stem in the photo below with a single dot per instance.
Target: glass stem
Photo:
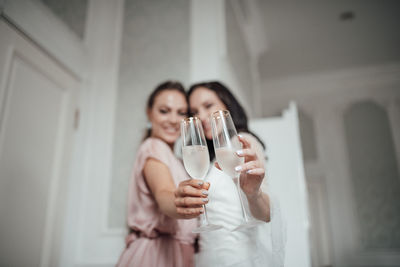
(205, 216)
(245, 217)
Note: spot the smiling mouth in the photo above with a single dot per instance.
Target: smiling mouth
(172, 130)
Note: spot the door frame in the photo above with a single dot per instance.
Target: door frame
(17, 49)
(94, 60)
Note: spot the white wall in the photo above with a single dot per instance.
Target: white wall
(155, 47)
(212, 56)
(73, 13)
(325, 98)
(286, 182)
(89, 241)
(238, 57)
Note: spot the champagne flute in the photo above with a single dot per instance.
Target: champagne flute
(196, 160)
(226, 143)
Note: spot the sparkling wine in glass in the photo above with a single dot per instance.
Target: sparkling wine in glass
(196, 160)
(226, 143)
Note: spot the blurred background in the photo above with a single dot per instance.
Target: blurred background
(75, 75)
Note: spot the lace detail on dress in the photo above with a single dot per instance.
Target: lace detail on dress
(278, 226)
(278, 232)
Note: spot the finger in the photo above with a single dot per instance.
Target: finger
(257, 171)
(195, 183)
(247, 166)
(192, 216)
(190, 212)
(190, 201)
(248, 153)
(217, 166)
(206, 185)
(190, 191)
(245, 141)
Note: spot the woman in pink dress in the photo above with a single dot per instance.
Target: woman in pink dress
(159, 234)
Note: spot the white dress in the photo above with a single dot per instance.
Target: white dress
(262, 245)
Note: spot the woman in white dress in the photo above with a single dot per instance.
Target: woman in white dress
(262, 245)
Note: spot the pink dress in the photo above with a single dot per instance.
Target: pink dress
(156, 239)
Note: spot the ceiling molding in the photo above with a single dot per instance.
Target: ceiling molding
(326, 82)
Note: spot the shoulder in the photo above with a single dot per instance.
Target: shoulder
(155, 148)
(154, 144)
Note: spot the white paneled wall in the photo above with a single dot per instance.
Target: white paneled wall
(285, 177)
(155, 47)
(325, 98)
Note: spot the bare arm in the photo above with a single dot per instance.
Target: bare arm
(252, 175)
(161, 184)
(260, 206)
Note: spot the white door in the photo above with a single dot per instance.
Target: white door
(285, 174)
(37, 106)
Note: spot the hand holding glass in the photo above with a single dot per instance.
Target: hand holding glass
(226, 143)
(196, 160)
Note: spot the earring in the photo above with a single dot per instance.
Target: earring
(148, 125)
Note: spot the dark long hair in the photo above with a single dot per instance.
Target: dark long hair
(167, 85)
(238, 113)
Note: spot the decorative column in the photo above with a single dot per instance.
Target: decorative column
(331, 145)
(208, 39)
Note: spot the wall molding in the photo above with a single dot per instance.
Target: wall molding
(48, 32)
(326, 96)
(334, 81)
(98, 244)
(88, 240)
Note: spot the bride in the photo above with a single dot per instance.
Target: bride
(262, 245)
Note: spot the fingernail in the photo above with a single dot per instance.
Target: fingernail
(200, 183)
(238, 168)
(205, 199)
(240, 135)
(205, 192)
(239, 152)
(249, 171)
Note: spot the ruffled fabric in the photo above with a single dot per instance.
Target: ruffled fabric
(278, 232)
(155, 239)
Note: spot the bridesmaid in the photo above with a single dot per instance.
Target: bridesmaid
(157, 235)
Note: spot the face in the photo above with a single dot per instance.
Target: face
(168, 110)
(203, 102)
